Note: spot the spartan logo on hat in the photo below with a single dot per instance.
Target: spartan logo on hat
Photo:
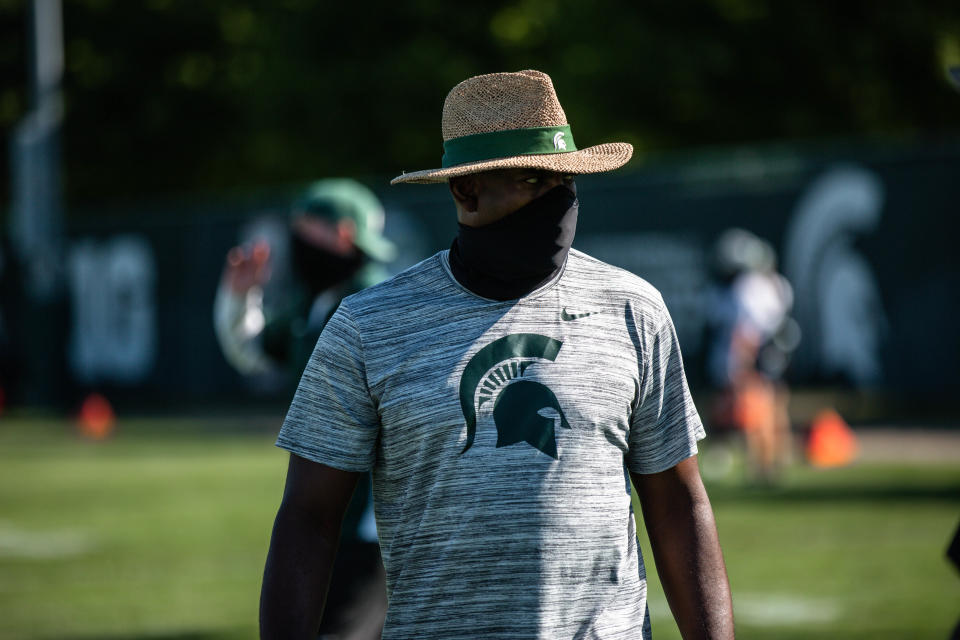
(558, 142)
(522, 408)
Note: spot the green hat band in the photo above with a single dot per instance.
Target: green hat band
(503, 144)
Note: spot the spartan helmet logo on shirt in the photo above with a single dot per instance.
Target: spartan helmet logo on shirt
(523, 410)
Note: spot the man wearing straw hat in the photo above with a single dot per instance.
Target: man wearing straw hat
(504, 393)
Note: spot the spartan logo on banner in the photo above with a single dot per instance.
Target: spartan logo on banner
(114, 332)
(837, 299)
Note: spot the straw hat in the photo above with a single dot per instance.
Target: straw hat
(512, 120)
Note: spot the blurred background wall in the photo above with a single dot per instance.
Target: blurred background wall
(153, 136)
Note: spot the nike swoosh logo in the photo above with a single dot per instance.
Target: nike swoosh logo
(574, 316)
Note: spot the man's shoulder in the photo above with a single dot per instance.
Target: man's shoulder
(611, 281)
(400, 289)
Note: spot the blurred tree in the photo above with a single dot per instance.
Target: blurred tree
(174, 95)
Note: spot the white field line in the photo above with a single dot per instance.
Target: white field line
(783, 609)
(16, 542)
(769, 609)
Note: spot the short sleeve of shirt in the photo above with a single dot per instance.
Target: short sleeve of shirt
(665, 425)
(333, 419)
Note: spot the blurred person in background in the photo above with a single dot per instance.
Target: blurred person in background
(752, 338)
(336, 248)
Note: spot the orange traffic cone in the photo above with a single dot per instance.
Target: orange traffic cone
(831, 442)
(96, 419)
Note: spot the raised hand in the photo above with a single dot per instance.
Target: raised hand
(247, 266)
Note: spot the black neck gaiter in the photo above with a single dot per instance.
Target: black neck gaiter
(511, 257)
(321, 269)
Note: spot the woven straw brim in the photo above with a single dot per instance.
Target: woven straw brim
(596, 159)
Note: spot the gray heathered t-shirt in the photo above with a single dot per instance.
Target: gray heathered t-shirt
(500, 435)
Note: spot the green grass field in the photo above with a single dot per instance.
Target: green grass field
(161, 532)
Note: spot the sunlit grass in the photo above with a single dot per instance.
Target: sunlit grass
(845, 553)
(161, 532)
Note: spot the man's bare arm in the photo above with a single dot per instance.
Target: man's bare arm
(686, 548)
(302, 549)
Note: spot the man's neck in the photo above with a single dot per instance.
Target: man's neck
(489, 286)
